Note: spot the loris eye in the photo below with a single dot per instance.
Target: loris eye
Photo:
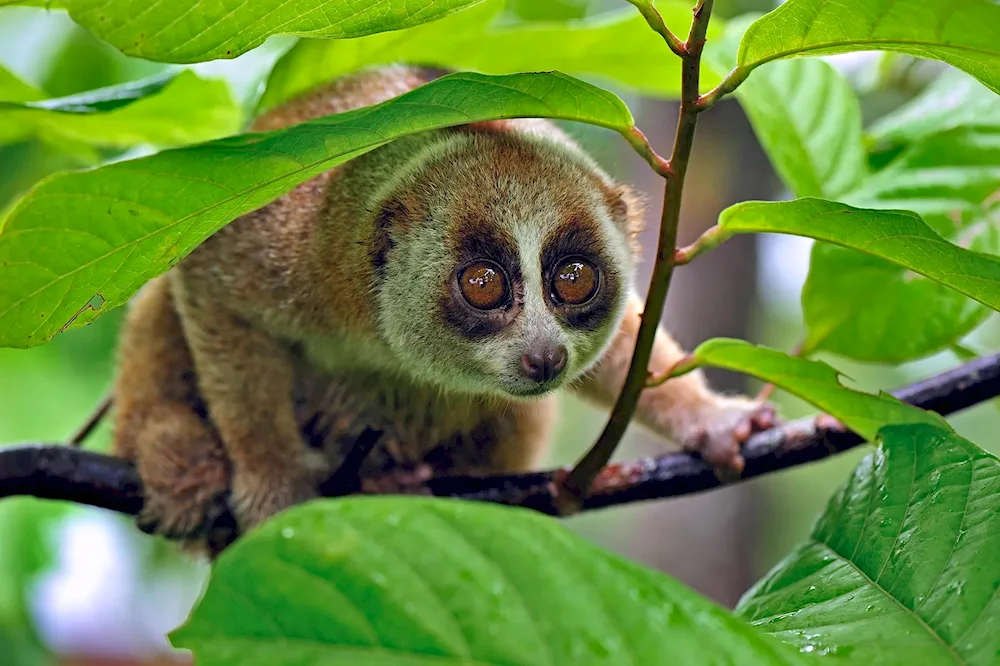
(483, 285)
(575, 281)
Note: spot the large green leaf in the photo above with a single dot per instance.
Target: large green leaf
(897, 236)
(617, 46)
(80, 244)
(176, 109)
(805, 115)
(952, 100)
(873, 310)
(421, 581)
(963, 33)
(813, 381)
(199, 30)
(903, 566)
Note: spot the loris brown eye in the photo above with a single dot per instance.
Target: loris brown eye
(574, 281)
(483, 285)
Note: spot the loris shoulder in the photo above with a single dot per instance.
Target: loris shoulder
(440, 289)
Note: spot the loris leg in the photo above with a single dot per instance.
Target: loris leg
(683, 409)
(160, 424)
(246, 377)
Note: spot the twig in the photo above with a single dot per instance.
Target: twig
(728, 85)
(655, 21)
(579, 480)
(712, 238)
(100, 411)
(640, 144)
(62, 473)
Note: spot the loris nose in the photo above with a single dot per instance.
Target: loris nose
(543, 363)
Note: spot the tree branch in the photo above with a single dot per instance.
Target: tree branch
(60, 472)
(585, 472)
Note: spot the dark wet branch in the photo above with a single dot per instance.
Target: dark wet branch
(60, 472)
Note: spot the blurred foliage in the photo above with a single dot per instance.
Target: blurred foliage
(614, 47)
(169, 109)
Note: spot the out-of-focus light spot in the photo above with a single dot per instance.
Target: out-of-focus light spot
(782, 268)
(85, 603)
(98, 600)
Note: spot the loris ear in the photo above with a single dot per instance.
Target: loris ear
(391, 215)
(627, 210)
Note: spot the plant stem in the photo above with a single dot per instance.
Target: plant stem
(582, 476)
(95, 418)
(655, 21)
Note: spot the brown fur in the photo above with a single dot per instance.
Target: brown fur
(217, 393)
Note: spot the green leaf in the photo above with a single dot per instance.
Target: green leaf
(111, 98)
(873, 310)
(808, 119)
(616, 46)
(952, 100)
(951, 171)
(965, 34)
(813, 381)
(176, 109)
(13, 89)
(186, 31)
(902, 568)
(805, 115)
(79, 244)
(415, 581)
(897, 236)
(865, 308)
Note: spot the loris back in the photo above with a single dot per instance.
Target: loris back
(440, 289)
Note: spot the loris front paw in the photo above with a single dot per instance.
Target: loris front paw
(184, 470)
(259, 494)
(188, 504)
(724, 427)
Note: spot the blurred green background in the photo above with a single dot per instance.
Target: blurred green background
(84, 587)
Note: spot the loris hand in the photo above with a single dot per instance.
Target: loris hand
(722, 427)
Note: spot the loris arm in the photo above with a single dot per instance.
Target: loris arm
(682, 409)
(246, 378)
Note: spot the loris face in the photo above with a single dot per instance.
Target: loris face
(509, 273)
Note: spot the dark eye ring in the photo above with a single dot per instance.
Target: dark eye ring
(484, 285)
(575, 281)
